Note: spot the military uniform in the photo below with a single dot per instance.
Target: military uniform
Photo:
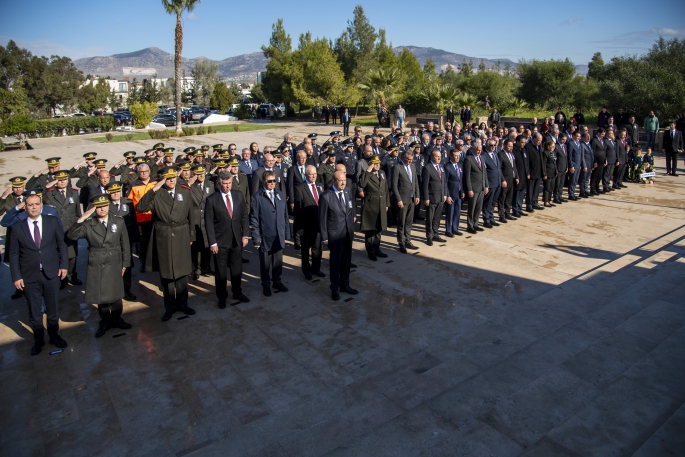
(123, 208)
(374, 209)
(43, 179)
(200, 248)
(67, 204)
(109, 252)
(240, 183)
(325, 175)
(10, 202)
(173, 229)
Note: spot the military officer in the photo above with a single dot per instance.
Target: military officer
(173, 231)
(123, 207)
(183, 172)
(109, 253)
(11, 198)
(80, 171)
(239, 180)
(125, 169)
(326, 170)
(374, 210)
(41, 179)
(316, 151)
(200, 189)
(64, 198)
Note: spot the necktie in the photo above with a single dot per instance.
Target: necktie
(118, 207)
(19, 199)
(478, 160)
(36, 234)
(64, 194)
(316, 195)
(104, 224)
(229, 206)
(171, 192)
(271, 197)
(341, 198)
(437, 168)
(249, 165)
(409, 173)
(302, 172)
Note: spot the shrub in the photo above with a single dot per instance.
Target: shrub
(109, 137)
(201, 130)
(158, 134)
(55, 127)
(242, 111)
(129, 136)
(211, 130)
(142, 113)
(236, 127)
(188, 131)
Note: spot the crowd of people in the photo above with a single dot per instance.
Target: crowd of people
(191, 213)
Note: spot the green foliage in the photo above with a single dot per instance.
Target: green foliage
(113, 100)
(547, 82)
(222, 98)
(315, 74)
(142, 113)
(55, 127)
(13, 101)
(206, 76)
(243, 111)
(654, 81)
(109, 137)
(277, 82)
(200, 130)
(596, 67)
(354, 50)
(93, 97)
(188, 131)
(257, 94)
(500, 88)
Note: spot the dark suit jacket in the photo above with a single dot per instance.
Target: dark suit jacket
(433, 186)
(293, 180)
(599, 149)
(26, 258)
(534, 160)
(306, 211)
(256, 183)
(474, 176)
(493, 169)
(522, 170)
(672, 144)
(621, 153)
(588, 157)
(269, 221)
(336, 223)
(221, 229)
(508, 170)
(455, 179)
(575, 154)
(562, 157)
(611, 151)
(402, 188)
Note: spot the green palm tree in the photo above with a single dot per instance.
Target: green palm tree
(177, 7)
(380, 84)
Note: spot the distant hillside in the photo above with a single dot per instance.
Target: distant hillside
(245, 67)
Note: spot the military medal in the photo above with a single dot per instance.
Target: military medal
(113, 228)
(349, 204)
(179, 197)
(71, 200)
(207, 190)
(124, 207)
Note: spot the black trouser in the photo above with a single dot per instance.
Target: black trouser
(372, 241)
(340, 260)
(533, 192)
(127, 280)
(71, 271)
(504, 200)
(110, 313)
(346, 129)
(175, 293)
(548, 189)
(405, 219)
(619, 173)
(475, 207)
(271, 264)
(559, 186)
(596, 178)
(146, 230)
(607, 175)
(43, 290)
(433, 215)
(392, 212)
(231, 258)
(199, 250)
(310, 241)
(671, 162)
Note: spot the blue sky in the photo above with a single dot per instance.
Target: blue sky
(219, 29)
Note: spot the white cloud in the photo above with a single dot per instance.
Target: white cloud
(48, 48)
(192, 17)
(667, 31)
(572, 20)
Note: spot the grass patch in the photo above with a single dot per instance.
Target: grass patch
(216, 129)
(365, 121)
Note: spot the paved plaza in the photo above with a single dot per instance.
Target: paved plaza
(559, 334)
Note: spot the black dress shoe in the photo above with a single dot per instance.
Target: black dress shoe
(75, 282)
(37, 346)
(246, 260)
(308, 276)
(297, 246)
(242, 297)
(537, 207)
(17, 294)
(222, 303)
(188, 310)
(503, 220)
(101, 331)
(480, 229)
(458, 233)
(410, 246)
(403, 250)
(449, 234)
(167, 316)
(122, 324)
(196, 276)
(280, 287)
(335, 295)
(487, 225)
(58, 341)
(349, 290)
(674, 174)
(510, 217)
(564, 200)
(380, 254)
(471, 231)
(494, 224)
(128, 296)
(529, 209)
(372, 256)
(63, 284)
(438, 239)
(429, 242)
(320, 274)
(522, 215)
(266, 291)
(353, 265)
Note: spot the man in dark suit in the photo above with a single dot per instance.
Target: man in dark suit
(510, 180)
(534, 153)
(336, 224)
(405, 196)
(38, 261)
(599, 150)
(575, 159)
(248, 166)
(306, 223)
(493, 172)
(523, 174)
(226, 222)
(345, 120)
(562, 167)
(200, 189)
(257, 176)
(434, 195)
(270, 229)
(475, 187)
(621, 159)
(450, 115)
(468, 115)
(454, 169)
(611, 160)
(673, 144)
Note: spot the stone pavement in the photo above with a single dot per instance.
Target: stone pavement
(560, 334)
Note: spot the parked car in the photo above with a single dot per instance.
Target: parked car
(184, 115)
(79, 115)
(279, 109)
(119, 119)
(196, 113)
(165, 119)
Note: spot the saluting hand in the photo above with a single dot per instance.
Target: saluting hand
(7, 192)
(86, 215)
(192, 180)
(159, 185)
(51, 184)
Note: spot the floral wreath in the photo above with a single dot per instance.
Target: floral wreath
(646, 167)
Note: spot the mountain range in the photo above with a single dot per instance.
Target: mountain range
(245, 67)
